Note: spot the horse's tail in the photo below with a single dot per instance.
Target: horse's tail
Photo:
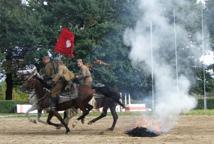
(117, 99)
(119, 102)
(107, 92)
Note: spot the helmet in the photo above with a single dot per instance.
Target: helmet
(58, 58)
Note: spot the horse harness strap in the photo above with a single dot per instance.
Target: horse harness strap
(42, 98)
(54, 68)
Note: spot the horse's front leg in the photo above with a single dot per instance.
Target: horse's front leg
(50, 115)
(55, 113)
(68, 114)
(39, 114)
(33, 107)
(86, 111)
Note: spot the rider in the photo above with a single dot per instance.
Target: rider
(59, 74)
(63, 72)
(84, 74)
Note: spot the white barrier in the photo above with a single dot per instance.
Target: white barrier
(23, 108)
(136, 107)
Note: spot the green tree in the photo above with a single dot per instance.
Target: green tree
(98, 27)
(198, 87)
(20, 32)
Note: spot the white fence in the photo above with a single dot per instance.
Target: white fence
(125, 98)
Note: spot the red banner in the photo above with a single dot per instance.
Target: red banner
(65, 43)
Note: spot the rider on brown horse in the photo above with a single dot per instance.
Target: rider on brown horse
(59, 75)
(85, 93)
(84, 75)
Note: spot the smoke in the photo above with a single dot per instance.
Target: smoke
(152, 43)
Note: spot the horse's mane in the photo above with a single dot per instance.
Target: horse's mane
(42, 82)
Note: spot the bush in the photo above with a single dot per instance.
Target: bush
(17, 94)
(2, 90)
(8, 106)
(210, 103)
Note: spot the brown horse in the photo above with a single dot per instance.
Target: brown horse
(110, 100)
(82, 101)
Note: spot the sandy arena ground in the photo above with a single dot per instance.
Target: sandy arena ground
(189, 130)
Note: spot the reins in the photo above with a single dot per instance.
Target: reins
(40, 80)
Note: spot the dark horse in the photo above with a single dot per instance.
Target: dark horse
(109, 100)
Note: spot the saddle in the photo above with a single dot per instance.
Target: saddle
(98, 95)
(70, 92)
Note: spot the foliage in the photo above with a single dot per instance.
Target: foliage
(210, 22)
(2, 91)
(17, 94)
(198, 87)
(210, 103)
(209, 112)
(8, 106)
(98, 26)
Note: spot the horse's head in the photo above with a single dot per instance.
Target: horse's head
(28, 78)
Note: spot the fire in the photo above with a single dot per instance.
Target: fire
(149, 123)
(145, 127)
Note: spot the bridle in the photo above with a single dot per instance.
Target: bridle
(34, 73)
(31, 72)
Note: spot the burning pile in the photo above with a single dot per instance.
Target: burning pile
(141, 132)
(149, 127)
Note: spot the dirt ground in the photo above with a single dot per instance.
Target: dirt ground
(189, 130)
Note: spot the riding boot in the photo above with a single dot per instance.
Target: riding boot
(54, 103)
(75, 90)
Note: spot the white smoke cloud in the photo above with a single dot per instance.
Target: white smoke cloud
(172, 95)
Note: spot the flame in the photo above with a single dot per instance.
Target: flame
(150, 123)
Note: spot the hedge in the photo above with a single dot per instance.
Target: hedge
(8, 106)
(210, 103)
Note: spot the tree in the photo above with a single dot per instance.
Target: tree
(98, 27)
(19, 33)
(33, 29)
(198, 87)
(209, 13)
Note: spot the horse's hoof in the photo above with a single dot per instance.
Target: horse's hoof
(73, 125)
(110, 129)
(33, 121)
(67, 131)
(82, 121)
(58, 127)
(90, 123)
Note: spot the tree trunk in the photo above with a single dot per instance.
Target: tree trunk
(9, 86)
(8, 67)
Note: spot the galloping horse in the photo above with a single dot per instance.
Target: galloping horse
(82, 101)
(85, 94)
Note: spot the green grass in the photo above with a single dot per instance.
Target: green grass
(93, 114)
(209, 112)
(201, 112)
